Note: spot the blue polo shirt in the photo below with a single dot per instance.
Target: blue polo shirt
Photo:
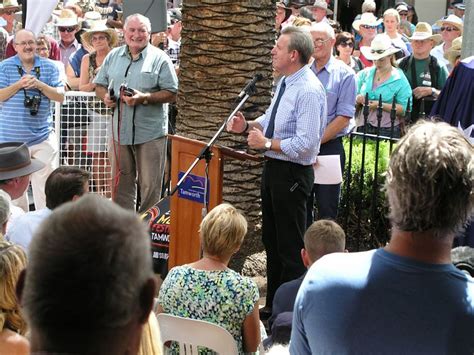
(16, 122)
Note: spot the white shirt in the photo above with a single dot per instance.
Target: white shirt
(22, 230)
(438, 53)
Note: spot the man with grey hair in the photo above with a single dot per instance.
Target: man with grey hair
(143, 81)
(290, 132)
(340, 84)
(406, 298)
(89, 284)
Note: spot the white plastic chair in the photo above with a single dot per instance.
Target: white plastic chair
(191, 333)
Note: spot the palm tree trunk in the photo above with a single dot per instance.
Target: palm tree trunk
(224, 44)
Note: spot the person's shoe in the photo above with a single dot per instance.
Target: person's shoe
(265, 313)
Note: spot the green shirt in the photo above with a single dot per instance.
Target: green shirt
(423, 74)
(152, 71)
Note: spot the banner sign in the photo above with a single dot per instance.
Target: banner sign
(192, 188)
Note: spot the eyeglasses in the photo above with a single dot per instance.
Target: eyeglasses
(24, 44)
(42, 49)
(66, 29)
(347, 44)
(403, 13)
(9, 12)
(448, 29)
(98, 38)
(319, 42)
(368, 27)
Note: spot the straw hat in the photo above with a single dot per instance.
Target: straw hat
(322, 4)
(380, 47)
(100, 26)
(451, 20)
(16, 161)
(67, 18)
(367, 18)
(423, 31)
(10, 5)
(454, 51)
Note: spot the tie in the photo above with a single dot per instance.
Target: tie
(271, 123)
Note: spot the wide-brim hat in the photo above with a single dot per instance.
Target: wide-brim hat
(100, 26)
(10, 5)
(367, 18)
(380, 47)
(67, 18)
(423, 31)
(321, 4)
(454, 51)
(283, 4)
(16, 161)
(452, 20)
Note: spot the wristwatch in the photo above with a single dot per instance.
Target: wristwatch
(268, 144)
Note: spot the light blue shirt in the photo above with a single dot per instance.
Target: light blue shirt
(21, 232)
(376, 302)
(16, 122)
(338, 79)
(300, 119)
(151, 72)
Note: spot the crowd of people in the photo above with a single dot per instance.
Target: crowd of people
(76, 274)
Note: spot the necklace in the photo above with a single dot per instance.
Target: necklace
(382, 75)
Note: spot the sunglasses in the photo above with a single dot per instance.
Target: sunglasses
(403, 13)
(448, 29)
(9, 12)
(378, 51)
(346, 44)
(368, 27)
(66, 29)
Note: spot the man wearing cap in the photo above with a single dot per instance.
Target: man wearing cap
(16, 166)
(174, 36)
(451, 28)
(459, 7)
(290, 133)
(67, 24)
(283, 15)
(366, 26)
(320, 11)
(140, 122)
(28, 84)
(339, 81)
(425, 73)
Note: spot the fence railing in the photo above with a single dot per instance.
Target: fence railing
(82, 122)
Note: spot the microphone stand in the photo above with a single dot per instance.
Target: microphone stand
(206, 154)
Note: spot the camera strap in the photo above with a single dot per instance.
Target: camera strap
(37, 73)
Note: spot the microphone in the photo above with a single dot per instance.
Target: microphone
(111, 89)
(250, 87)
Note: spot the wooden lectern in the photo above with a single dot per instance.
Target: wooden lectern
(186, 214)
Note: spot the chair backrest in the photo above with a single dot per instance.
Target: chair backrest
(191, 333)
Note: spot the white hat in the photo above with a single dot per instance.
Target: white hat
(367, 18)
(423, 31)
(100, 26)
(380, 47)
(401, 8)
(322, 5)
(452, 20)
(67, 18)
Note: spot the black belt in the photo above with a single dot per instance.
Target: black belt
(283, 162)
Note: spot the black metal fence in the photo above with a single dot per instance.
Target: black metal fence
(363, 209)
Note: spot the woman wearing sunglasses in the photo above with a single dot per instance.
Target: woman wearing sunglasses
(450, 28)
(344, 48)
(386, 80)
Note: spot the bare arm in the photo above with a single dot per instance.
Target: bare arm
(85, 83)
(251, 331)
(52, 93)
(334, 127)
(11, 90)
(103, 94)
(72, 79)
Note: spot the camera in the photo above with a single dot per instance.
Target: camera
(33, 103)
(127, 91)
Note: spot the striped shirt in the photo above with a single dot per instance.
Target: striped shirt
(300, 119)
(16, 122)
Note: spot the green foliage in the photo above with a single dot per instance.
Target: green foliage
(363, 212)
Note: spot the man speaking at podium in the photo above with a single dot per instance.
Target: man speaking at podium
(290, 132)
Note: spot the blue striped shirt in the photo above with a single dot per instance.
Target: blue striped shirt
(16, 122)
(300, 119)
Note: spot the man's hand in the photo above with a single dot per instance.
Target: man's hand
(421, 91)
(109, 102)
(137, 99)
(237, 124)
(256, 139)
(27, 82)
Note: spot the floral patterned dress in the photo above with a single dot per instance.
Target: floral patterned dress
(222, 297)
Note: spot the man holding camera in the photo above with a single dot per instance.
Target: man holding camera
(28, 83)
(137, 80)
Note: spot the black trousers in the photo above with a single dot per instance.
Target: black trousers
(326, 197)
(285, 189)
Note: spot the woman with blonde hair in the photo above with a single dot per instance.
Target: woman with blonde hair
(391, 22)
(208, 290)
(12, 323)
(150, 343)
